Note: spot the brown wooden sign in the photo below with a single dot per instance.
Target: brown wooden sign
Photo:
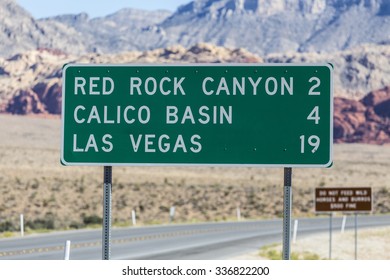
(343, 199)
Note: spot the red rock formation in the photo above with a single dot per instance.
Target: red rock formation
(26, 102)
(50, 94)
(43, 98)
(364, 121)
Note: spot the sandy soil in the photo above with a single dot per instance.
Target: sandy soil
(372, 244)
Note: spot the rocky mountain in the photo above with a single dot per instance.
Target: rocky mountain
(358, 71)
(261, 26)
(274, 26)
(19, 32)
(76, 34)
(30, 83)
(127, 29)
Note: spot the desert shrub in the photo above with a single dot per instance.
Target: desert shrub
(271, 252)
(41, 223)
(75, 225)
(92, 220)
(7, 226)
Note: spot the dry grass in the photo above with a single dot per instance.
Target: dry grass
(33, 182)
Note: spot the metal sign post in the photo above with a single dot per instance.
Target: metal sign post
(287, 202)
(107, 189)
(356, 236)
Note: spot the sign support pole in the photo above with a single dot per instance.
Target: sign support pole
(356, 236)
(287, 201)
(107, 189)
(330, 235)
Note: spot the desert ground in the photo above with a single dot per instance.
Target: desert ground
(372, 244)
(52, 196)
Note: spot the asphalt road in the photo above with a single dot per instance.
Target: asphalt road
(207, 241)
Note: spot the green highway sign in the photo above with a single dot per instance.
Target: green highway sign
(198, 114)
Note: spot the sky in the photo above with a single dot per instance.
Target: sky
(94, 8)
